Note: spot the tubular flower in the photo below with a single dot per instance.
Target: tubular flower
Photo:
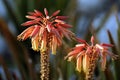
(87, 55)
(45, 31)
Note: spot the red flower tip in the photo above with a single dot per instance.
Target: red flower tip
(46, 12)
(81, 40)
(61, 17)
(28, 23)
(107, 45)
(56, 13)
(35, 31)
(92, 40)
(38, 13)
(65, 25)
(30, 17)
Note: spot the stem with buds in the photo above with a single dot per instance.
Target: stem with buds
(44, 59)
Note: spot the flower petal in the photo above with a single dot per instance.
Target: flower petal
(70, 58)
(81, 40)
(72, 53)
(80, 54)
(92, 40)
(35, 43)
(80, 47)
(31, 17)
(99, 46)
(26, 33)
(35, 31)
(32, 13)
(44, 42)
(79, 64)
(42, 29)
(38, 13)
(46, 12)
(65, 32)
(65, 25)
(59, 21)
(61, 17)
(56, 33)
(28, 23)
(107, 45)
(56, 13)
(54, 45)
(48, 26)
(86, 63)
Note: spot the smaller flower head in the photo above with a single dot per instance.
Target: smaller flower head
(45, 31)
(86, 54)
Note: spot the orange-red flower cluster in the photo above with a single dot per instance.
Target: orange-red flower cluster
(83, 53)
(45, 31)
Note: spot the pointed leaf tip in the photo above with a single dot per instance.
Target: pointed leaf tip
(38, 13)
(80, 40)
(45, 11)
(92, 39)
(107, 45)
(56, 13)
(30, 17)
(62, 17)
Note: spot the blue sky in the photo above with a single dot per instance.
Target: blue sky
(91, 7)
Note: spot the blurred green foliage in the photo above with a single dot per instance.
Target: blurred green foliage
(27, 61)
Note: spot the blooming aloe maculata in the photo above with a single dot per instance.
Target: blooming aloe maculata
(87, 55)
(46, 33)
